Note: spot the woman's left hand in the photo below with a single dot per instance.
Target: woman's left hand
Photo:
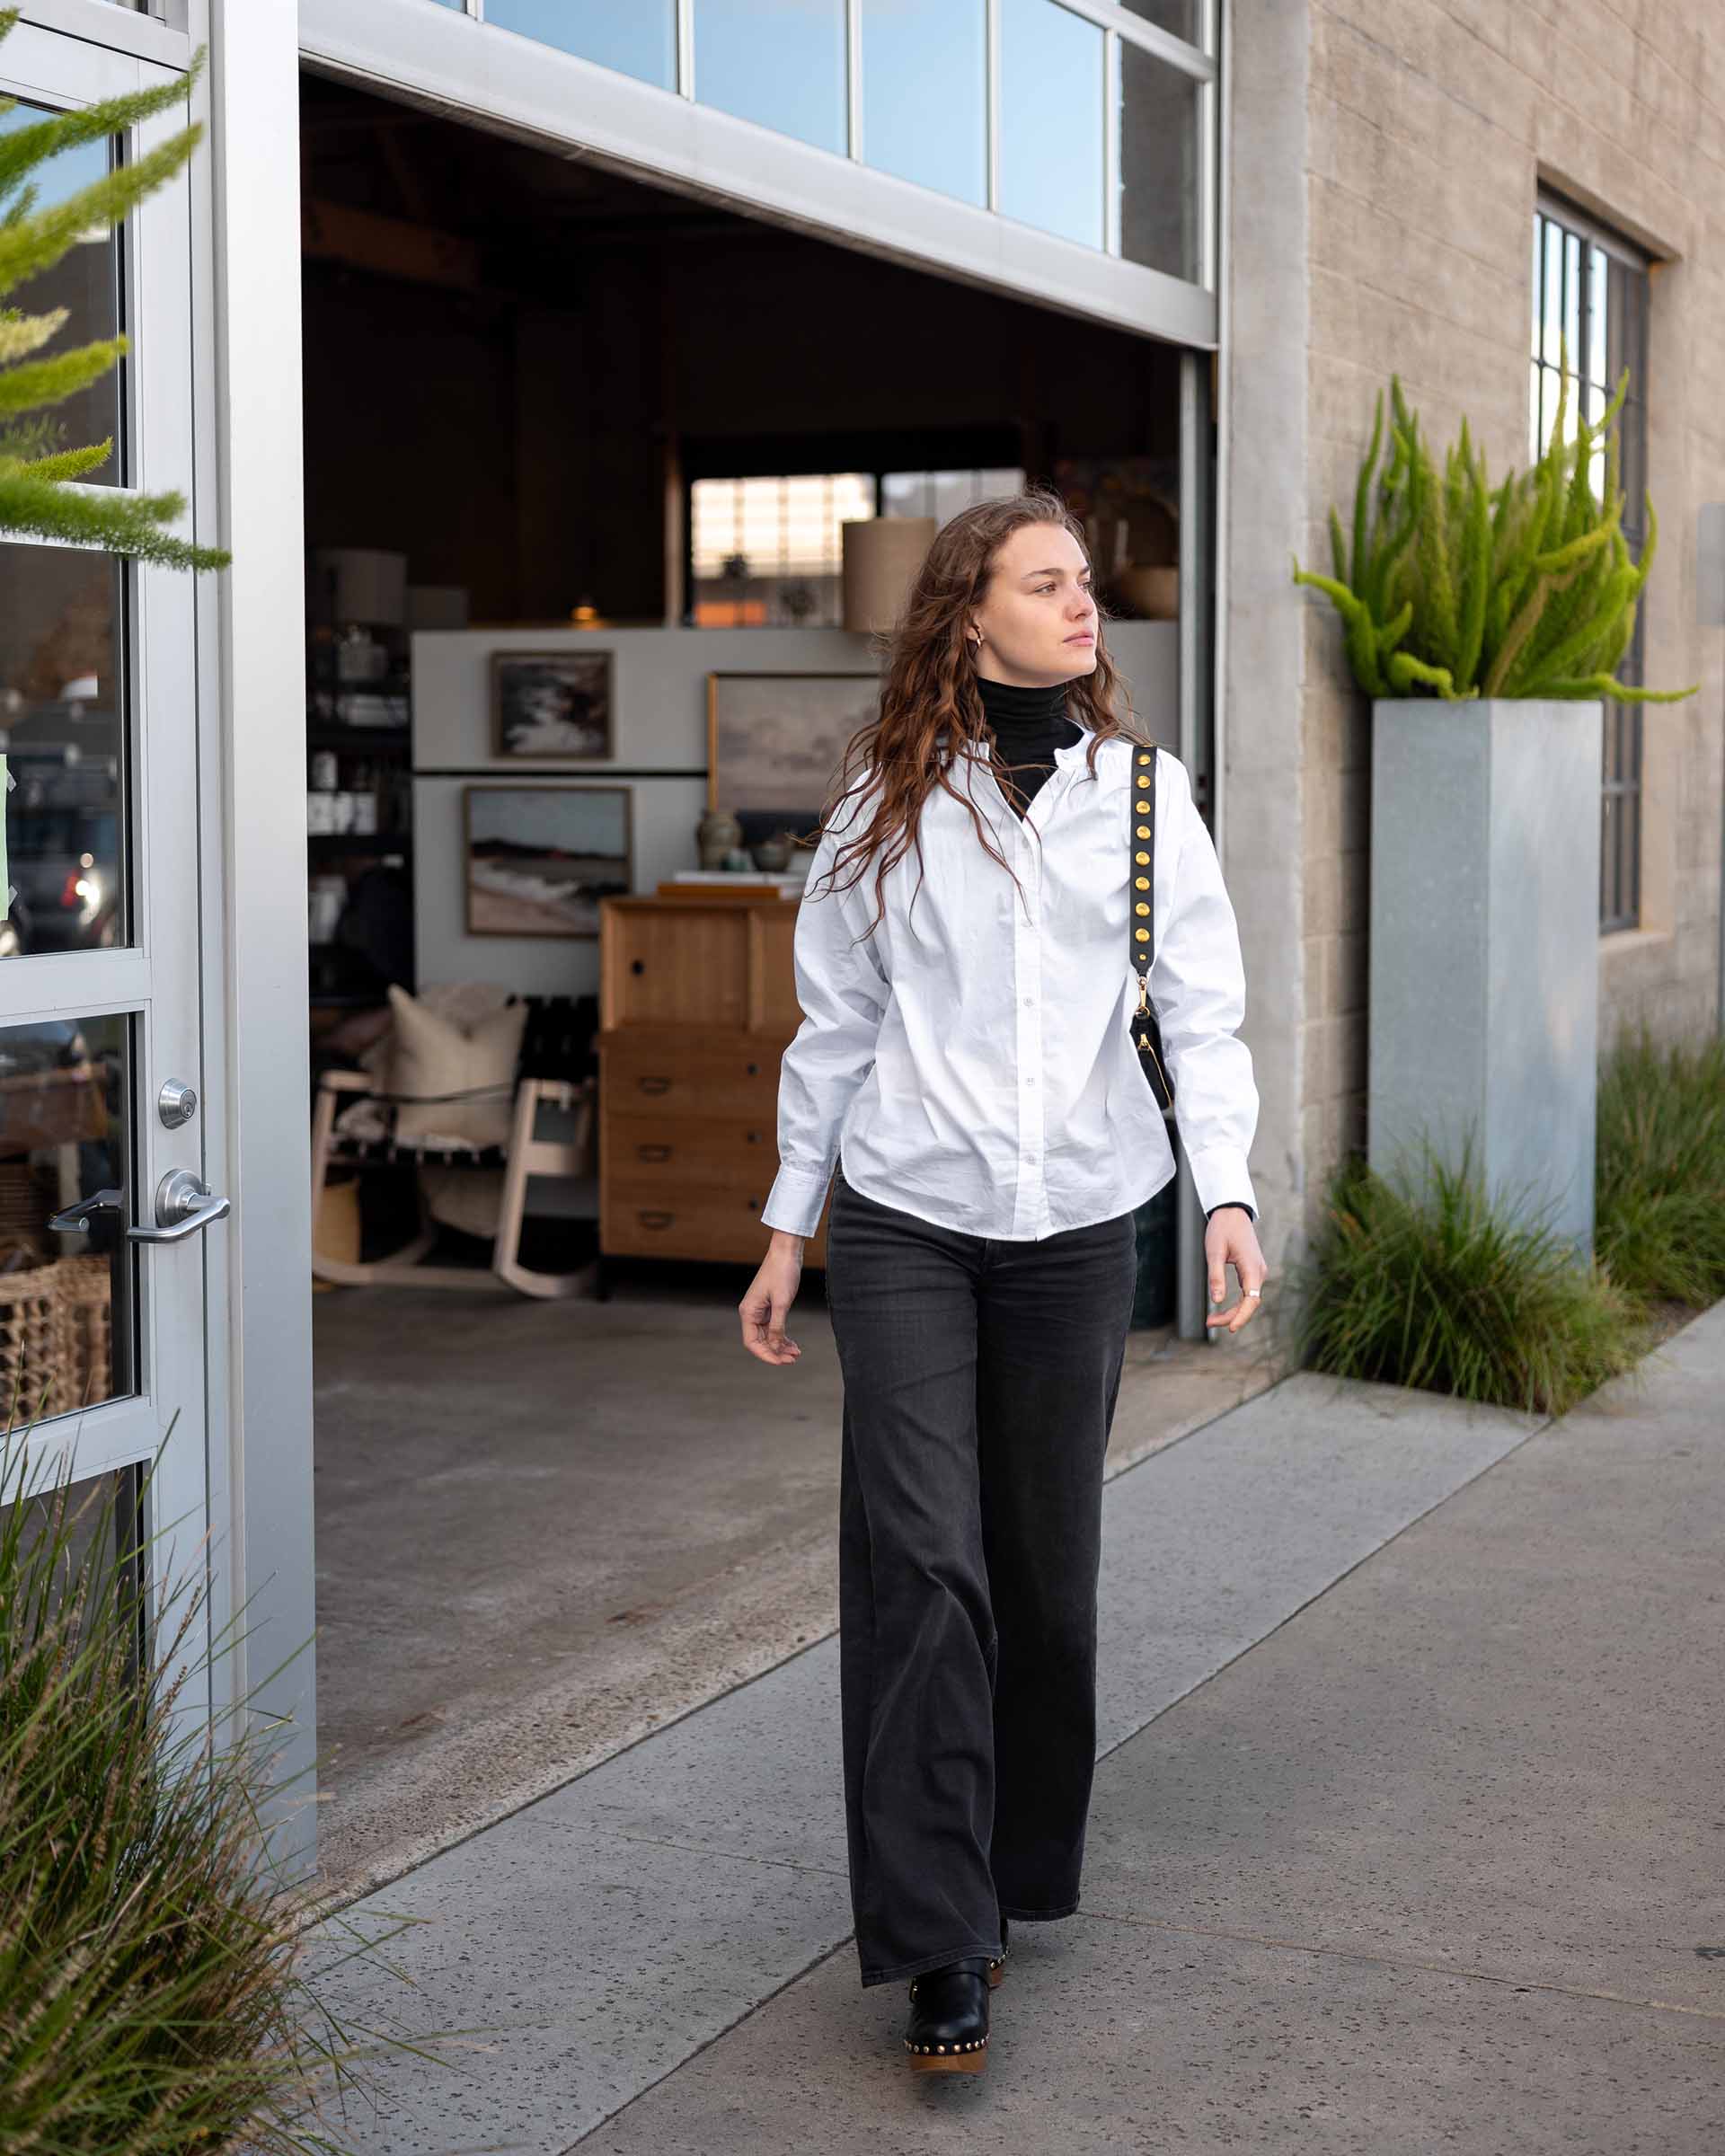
(1229, 1239)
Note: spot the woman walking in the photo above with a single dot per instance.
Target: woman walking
(966, 1060)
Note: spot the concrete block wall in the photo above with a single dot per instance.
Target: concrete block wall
(1429, 125)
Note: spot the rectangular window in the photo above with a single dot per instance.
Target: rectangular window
(1590, 296)
(1156, 131)
(1051, 101)
(87, 281)
(780, 63)
(638, 39)
(62, 712)
(925, 103)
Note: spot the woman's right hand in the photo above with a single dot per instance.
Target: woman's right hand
(767, 1303)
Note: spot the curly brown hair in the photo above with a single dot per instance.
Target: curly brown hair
(930, 688)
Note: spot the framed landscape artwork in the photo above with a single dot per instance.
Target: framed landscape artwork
(552, 704)
(775, 742)
(537, 860)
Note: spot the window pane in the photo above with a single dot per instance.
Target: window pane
(1156, 130)
(85, 282)
(780, 63)
(1051, 119)
(1625, 293)
(1536, 285)
(924, 93)
(62, 734)
(638, 39)
(1597, 271)
(66, 1295)
(1575, 357)
(1177, 16)
(1551, 296)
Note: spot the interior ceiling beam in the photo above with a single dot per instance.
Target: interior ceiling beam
(364, 239)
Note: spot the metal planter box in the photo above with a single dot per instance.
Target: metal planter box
(1484, 935)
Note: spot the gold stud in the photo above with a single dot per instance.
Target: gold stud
(1143, 831)
(1141, 883)
(1143, 935)
(1143, 860)
(940, 2047)
(1141, 907)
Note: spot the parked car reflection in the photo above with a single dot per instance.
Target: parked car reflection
(62, 849)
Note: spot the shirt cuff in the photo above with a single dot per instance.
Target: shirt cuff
(1211, 1211)
(796, 1200)
(1220, 1177)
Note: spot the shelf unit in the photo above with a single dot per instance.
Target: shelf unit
(368, 759)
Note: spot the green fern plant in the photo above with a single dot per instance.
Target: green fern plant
(39, 491)
(1463, 590)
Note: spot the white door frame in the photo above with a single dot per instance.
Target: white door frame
(250, 487)
(153, 979)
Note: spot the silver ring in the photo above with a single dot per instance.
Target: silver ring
(1249, 1295)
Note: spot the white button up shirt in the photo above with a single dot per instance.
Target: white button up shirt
(971, 1060)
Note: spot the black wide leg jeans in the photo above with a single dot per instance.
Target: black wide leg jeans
(980, 1378)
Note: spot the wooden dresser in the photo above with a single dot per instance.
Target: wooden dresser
(697, 1003)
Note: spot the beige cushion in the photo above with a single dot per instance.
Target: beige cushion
(432, 1055)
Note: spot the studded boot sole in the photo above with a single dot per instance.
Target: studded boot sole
(949, 2028)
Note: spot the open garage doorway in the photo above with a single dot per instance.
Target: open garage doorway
(570, 435)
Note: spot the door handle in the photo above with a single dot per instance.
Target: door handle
(77, 1217)
(185, 1206)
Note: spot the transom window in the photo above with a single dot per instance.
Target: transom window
(1091, 119)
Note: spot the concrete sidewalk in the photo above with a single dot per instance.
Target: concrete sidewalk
(1409, 1834)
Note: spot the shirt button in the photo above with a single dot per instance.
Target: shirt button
(1029, 999)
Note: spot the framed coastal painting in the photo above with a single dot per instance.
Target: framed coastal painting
(537, 860)
(552, 704)
(776, 743)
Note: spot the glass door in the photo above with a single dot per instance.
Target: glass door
(103, 1206)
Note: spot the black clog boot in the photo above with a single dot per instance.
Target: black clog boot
(997, 1962)
(948, 2032)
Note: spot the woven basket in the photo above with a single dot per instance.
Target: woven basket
(56, 1337)
(32, 1344)
(25, 1204)
(86, 1290)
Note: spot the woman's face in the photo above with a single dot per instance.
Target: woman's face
(1037, 614)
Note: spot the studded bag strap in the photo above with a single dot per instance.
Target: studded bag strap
(1141, 935)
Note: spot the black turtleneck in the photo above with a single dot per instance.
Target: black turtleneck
(1029, 726)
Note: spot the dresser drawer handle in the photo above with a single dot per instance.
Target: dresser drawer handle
(655, 1220)
(654, 1085)
(652, 1153)
(754, 1070)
